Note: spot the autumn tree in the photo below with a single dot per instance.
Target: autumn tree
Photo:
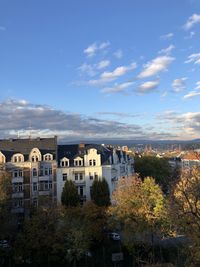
(100, 193)
(70, 197)
(186, 208)
(139, 209)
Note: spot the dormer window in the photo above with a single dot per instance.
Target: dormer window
(78, 162)
(35, 155)
(64, 162)
(17, 158)
(48, 157)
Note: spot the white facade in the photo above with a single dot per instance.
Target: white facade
(89, 166)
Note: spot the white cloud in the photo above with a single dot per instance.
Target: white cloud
(103, 64)
(192, 20)
(148, 87)
(167, 50)
(88, 69)
(113, 75)
(117, 88)
(155, 66)
(191, 94)
(197, 86)
(179, 84)
(118, 54)
(195, 58)
(167, 36)
(91, 50)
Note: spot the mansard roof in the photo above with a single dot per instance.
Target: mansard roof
(24, 146)
(75, 150)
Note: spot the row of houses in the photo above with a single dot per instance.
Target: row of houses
(39, 167)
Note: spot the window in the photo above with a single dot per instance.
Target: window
(78, 162)
(17, 173)
(41, 171)
(48, 157)
(50, 171)
(50, 185)
(91, 176)
(76, 176)
(44, 186)
(64, 176)
(17, 158)
(95, 175)
(46, 171)
(35, 202)
(81, 190)
(64, 162)
(17, 187)
(34, 172)
(18, 203)
(81, 176)
(35, 187)
(90, 162)
(94, 162)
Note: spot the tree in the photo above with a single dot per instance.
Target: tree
(7, 219)
(139, 209)
(158, 168)
(185, 207)
(39, 241)
(70, 197)
(100, 193)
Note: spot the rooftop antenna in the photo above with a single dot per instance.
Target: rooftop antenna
(29, 128)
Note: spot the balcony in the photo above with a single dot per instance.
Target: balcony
(18, 195)
(18, 180)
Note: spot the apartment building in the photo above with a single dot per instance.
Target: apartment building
(38, 169)
(31, 165)
(82, 163)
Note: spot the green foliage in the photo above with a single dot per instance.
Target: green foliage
(70, 197)
(100, 193)
(140, 208)
(39, 240)
(158, 168)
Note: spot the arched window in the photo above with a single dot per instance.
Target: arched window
(35, 155)
(17, 158)
(64, 162)
(35, 173)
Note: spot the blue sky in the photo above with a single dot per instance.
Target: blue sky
(126, 69)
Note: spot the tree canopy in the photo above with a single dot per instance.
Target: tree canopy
(158, 168)
(70, 197)
(186, 207)
(140, 208)
(100, 192)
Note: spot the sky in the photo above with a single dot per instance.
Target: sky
(100, 69)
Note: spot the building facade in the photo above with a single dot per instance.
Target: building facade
(83, 163)
(38, 169)
(31, 164)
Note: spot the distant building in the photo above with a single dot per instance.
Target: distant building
(32, 165)
(83, 163)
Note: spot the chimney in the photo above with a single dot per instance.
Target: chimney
(81, 146)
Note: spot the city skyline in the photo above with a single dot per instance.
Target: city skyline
(100, 69)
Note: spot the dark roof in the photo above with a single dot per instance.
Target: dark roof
(72, 151)
(24, 146)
